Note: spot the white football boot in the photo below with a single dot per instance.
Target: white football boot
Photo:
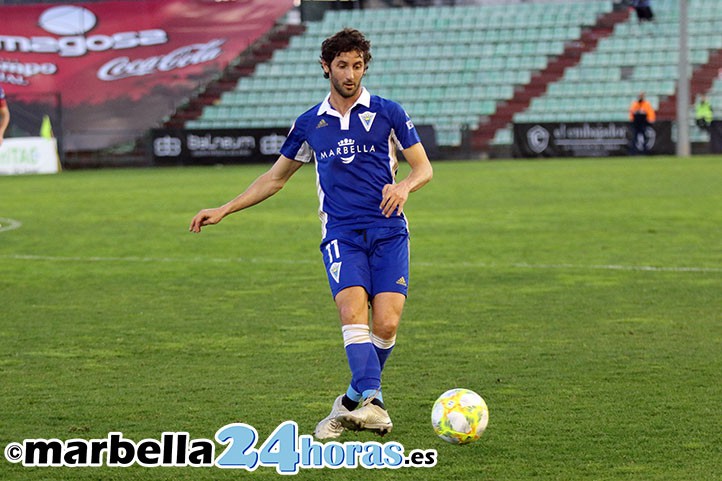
(369, 417)
(329, 427)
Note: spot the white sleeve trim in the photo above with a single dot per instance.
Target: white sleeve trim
(304, 154)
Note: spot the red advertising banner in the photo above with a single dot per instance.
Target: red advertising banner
(118, 67)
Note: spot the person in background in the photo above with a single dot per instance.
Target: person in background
(703, 113)
(4, 115)
(642, 116)
(644, 10)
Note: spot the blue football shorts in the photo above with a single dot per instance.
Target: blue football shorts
(376, 259)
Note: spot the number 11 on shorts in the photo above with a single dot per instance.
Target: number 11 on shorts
(334, 262)
(332, 249)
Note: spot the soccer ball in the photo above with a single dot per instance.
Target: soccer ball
(459, 416)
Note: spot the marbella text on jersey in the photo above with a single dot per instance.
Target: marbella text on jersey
(346, 147)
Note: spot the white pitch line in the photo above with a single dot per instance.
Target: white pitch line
(613, 267)
(251, 260)
(451, 265)
(609, 267)
(9, 224)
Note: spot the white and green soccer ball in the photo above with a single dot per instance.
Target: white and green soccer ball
(459, 416)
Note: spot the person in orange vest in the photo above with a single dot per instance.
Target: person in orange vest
(642, 116)
(4, 115)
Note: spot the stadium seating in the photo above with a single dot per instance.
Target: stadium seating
(715, 95)
(448, 66)
(636, 58)
(451, 67)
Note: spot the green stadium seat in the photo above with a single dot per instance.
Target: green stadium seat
(472, 58)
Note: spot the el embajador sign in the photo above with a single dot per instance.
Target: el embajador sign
(589, 139)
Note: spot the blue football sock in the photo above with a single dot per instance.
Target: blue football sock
(353, 394)
(362, 358)
(375, 393)
(383, 348)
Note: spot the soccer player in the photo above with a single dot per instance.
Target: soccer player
(352, 136)
(4, 115)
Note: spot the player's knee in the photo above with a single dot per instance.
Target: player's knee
(352, 305)
(353, 314)
(385, 328)
(386, 333)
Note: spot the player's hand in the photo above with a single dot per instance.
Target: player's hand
(204, 218)
(394, 197)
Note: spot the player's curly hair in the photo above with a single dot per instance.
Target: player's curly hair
(347, 40)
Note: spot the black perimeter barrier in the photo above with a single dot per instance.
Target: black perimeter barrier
(235, 146)
(715, 137)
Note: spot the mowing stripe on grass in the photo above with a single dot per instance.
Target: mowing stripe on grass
(450, 265)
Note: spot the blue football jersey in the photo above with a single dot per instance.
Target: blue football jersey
(355, 157)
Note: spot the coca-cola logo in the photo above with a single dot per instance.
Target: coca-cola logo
(124, 67)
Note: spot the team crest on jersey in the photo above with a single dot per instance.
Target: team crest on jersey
(348, 146)
(367, 119)
(335, 271)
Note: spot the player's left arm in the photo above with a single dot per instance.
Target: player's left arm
(396, 195)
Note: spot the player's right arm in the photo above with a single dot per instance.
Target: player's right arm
(261, 189)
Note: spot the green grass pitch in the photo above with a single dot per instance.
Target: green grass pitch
(581, 298)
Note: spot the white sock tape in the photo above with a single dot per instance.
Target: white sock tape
(355, 334)
(383, 343)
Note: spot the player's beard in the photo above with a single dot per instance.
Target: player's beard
(344, 89)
